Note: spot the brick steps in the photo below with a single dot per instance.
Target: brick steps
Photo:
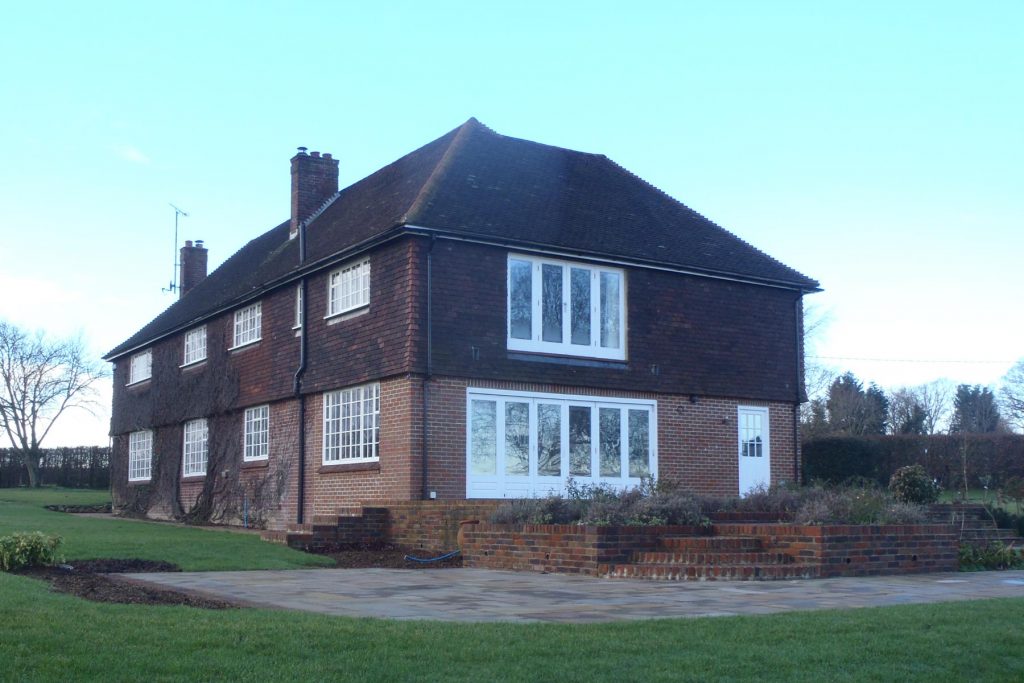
(711, 543)
(712, 558)
(708, 558)
(973, 523)
(724, 572)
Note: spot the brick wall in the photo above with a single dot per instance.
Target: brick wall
(841, 550)
(562, 548)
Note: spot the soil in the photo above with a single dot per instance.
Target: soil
(385, 556)
(89, 579)
(80, 509)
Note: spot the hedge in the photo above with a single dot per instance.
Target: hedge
(991, 458)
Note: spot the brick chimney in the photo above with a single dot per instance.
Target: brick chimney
(314, 181)
(193, 266)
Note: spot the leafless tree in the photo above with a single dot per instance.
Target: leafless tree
(817, 376)
(42, 378)
(1012, 394)
(936, 398)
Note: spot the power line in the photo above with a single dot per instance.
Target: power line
(912, 360)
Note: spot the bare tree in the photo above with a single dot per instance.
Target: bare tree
(936, 399)
(1012, 394)
(41, 378)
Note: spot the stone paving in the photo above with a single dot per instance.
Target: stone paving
(487, 595)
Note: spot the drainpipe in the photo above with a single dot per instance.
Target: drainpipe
(297, 381)
(430, 369)
(798, 327)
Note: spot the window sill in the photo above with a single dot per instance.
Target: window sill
(567, 360)
(372, 466)
(246, 344)
(140, 482)
(565, 350)
(255, 464)
(346, 315)
(195, 363)
(138, 382)
(187, 478)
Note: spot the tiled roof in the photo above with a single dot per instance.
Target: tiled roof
(475, 183)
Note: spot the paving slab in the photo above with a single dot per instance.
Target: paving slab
(478, 595)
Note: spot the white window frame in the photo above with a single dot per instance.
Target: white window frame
(502, 485)
(194, 346)
(346, 436)
(536, 343)
(140, 455)
(348, 288)
(256, 434)
(140, 367)
(298, 308)
(195, 448)
(248, 325)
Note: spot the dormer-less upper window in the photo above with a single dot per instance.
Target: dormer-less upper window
(348, 288)
(298, 308)
(142, 367)
(247, 325)
(566, 308)
(195, 346)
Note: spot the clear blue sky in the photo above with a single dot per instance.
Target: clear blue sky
(875, 146)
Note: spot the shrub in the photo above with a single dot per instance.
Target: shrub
(911, 484)
(991, 556)
(34, 549)
(1007, 520)
(855, 506)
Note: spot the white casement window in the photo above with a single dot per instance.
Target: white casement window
(352, 424)
(298, 308)
(195, 449)
(348, 288)
(521, 444)
(247, 325)
(140, 455)
(257, 433)
(566, 308)
(195, 346)
(141, 368)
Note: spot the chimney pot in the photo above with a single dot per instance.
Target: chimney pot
(188, 243)
(315, 155)
(302, 150)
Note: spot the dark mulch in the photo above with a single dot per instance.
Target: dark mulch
(383, 555)
(102, 507)
(87, 579)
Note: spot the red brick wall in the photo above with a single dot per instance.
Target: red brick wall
(562, 548)
(859, 550)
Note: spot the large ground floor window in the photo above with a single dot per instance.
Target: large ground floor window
(521, 444)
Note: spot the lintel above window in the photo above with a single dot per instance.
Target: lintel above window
(567, 308)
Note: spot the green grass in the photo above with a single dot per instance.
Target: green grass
(46, 636)
(979, 496)
(191, 548)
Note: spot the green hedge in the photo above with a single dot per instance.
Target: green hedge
(990, 457)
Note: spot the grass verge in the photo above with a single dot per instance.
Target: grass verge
(46, 636)
(191, 548)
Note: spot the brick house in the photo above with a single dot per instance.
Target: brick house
(485, 317)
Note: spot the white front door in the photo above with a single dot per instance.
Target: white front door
(754, 452)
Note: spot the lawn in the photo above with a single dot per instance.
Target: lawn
(191, 548)
(46, 636)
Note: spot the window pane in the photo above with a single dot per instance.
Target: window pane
(549, 440)
(551, 277)
(579, 441)
(520, 296)
(484, 435)
(517, 438)
(611, 440)
(610, 314)
(639, 443)
(580, 306)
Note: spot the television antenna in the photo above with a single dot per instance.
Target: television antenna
(173, 285)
